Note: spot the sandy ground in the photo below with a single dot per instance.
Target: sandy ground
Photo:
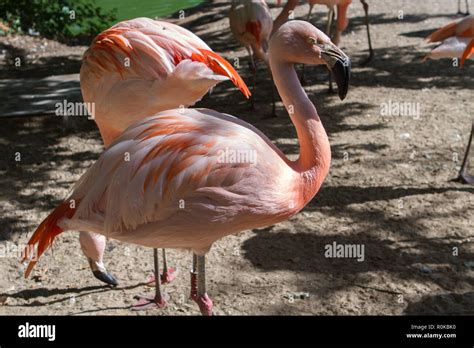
(388, 189)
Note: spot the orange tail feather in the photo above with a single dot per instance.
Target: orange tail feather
(443, 33)
(222, 67)
(45, 234)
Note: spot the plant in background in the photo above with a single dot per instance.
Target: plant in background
(58, 19)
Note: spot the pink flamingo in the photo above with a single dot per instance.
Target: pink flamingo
(456, 41)
(181, 156)
(133, 70)
(251, 24)
(341, 22)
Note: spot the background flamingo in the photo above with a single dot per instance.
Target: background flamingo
(135, 69)
(177, 154)
(456, 41)
(341, 20)
(341, 23)
(251, 24)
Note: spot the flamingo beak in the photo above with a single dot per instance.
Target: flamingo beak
(101, 273)
(340, 66)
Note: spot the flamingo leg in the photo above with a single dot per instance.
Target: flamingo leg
(253, 71)
(330, 21)
(274, 94)
(463, 176)
(367, 26)
(157, 301)
(308, 18)
(329, 33)
(302, 76)
(198, 286)
(169, 273)
(273, 98)
(254, 86)
(467, 8)
(194, 273)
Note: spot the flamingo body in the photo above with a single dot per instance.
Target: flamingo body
(175, 158)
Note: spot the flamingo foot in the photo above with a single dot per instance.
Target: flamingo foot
(205, 304)
(145, 303)
(166, 277)
(465, 179)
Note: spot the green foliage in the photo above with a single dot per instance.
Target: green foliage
(56, 19)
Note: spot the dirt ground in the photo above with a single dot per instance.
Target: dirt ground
(388, 189)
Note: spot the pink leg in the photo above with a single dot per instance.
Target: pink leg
(157, 301)
(194, 280)
(198, 286)
(169, 273)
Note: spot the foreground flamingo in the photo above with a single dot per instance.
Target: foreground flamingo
(456, 41)
(135, 69)
(251, 24)
(181, 156)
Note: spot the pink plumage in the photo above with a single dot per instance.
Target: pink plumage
(143, 66)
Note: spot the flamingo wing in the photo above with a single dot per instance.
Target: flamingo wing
(143, 66)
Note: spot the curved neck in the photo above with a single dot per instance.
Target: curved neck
(315, 152)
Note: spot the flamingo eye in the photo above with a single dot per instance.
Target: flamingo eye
(312, 40)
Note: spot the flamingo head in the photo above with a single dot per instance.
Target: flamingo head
(301, 42)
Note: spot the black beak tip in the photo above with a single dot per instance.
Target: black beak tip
(106, 277)
(342, 75)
